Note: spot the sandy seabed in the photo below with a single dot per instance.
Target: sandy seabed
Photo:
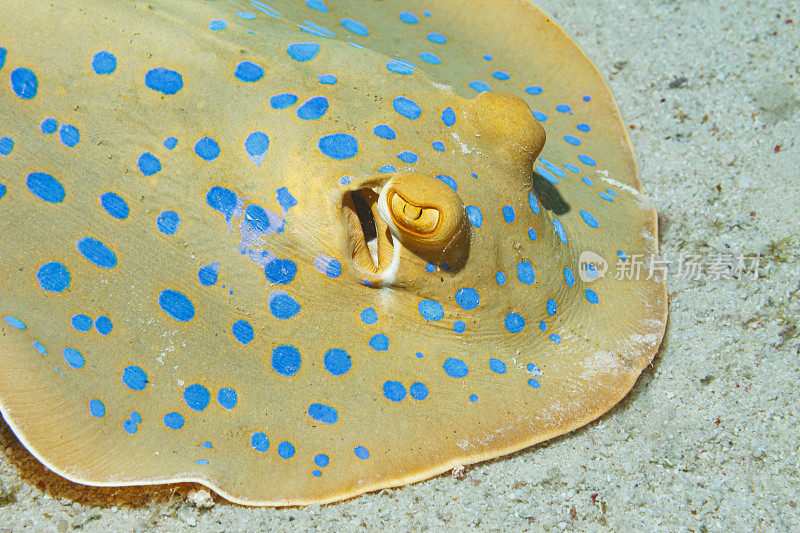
(708, 439)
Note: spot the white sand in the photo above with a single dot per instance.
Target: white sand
(708, 439)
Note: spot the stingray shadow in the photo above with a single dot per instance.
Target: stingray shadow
(549, 196)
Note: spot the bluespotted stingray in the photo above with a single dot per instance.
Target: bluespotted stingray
(304, 250)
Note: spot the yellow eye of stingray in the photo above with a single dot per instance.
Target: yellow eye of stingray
(419, 219)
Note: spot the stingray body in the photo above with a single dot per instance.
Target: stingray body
(303, 250)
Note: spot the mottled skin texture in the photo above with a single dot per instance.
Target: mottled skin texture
(603, 346)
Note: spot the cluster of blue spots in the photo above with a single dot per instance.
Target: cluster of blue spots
(369, 316)
(480, 86)
(196, 397)
(327, 79)
(407, 107)
(475, 216)
(114, 205)
(285, 450)
(590, 219)
(259, 442)
(591, 296)
(394, 391)
(438, 146)
(217, 25)
(500, 277)
(302, 52)
(280, 271)
(379, 342)
(408, 157)
(525, 272)
(497, 366)
(560, 231)
(318, 5)
(81, 322)
(134, 378)
(73, 357)
(242, 331)
(354, 26)
(605, 196)
(573, 140)
(459, 327)
(400, 66)
(509, 215)
(455, 368)
(552, 307)
(6, 145)
(431, 310)
(501, 75)
(448, 116)
(430, 57)
(45, 187)
(337, 362)
(176, 304)
(447, 180)
(323, 413)
(532, 234)
(168, 222)
(130, 426)
(384, 132)
(69, 135)
(208, 274)
(249, 72)
(163, 80)
(174, 420)
(53, 277)
(148, 164)
(282, 100)
(97, 253)
(227, 398)
(15, 322)
(285, 360)
(569, 277)
(338, 145)
(96, 408)
(587, 160)
(514, 323)
(313, 108)
(282, 306)
(24, 83)
(206, 148)
(103, 325)
(555, 339)
(436, 37)
(467, 298)
(104, 63)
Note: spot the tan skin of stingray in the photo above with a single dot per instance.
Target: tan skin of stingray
(604, 349)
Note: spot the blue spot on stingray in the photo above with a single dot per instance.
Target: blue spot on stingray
(473, 398)
(497, 366)
(400, 66)
(321, 460)
(572, 168)
(327, 79)
(361, 452)
(114, 205)
(591, 296)
(500, 278)
(302, 51)
(379, 342)
(223, 200)
(569, 277)
(53, 276)
(217, 25)
(168, 222)
(285, 198)
(313, 108)
(408, 17)
(337, 362)
(96, 408)
(227, 398)
(590, 219)
(475, 216)
(387, 168)
(553, 168)
(39, 347)
(459, 327)
(24, 83)
(525, 272)
(384, 132)
(208, 274)
(315, 29)
(555, 339)
(243, 331)
(97, 253)
(130, 427)
(564, 108)
(587, 160)
(538, 115)
(318, 5)
(546, 174)
(562, 234)
(282, 306)
(584, 127)
(534, 383)
(245, 15)
(467, 298)
(480, 86)
(431, 58)
(418, 391)
(394, 391)
(407, 107)
(338, 145)
(73, 357)
(408, 157)
(509, 215)
(501, 75)
(103, 325)
(163, 80)
(323, 413)
(104, 63)
(282, 100)
(455, 368)
(552, 307)
(438, 146)
(369, 316)
(430, 310)
(259, 442)
(532, 234)
(543, 325)
(69, 135)
(173, 421)
(436, 37)
(3, 52)
(447, 180)
(45, 187)
(248, 71)
(587, 98)
(207, 148)
(81, 322)
(280, 271)
(448, 116)
(285, 360)
(622, 255)
(196, 397)
(605, 196)
(354, 26)
(285, 450)
(148, 164)
(6, 145)
(15, 323)
(48, 126)
(176, 305)
(135, 417)
(514, 323)
(533, 203)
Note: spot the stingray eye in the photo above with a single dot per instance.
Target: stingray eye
(422, 211)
